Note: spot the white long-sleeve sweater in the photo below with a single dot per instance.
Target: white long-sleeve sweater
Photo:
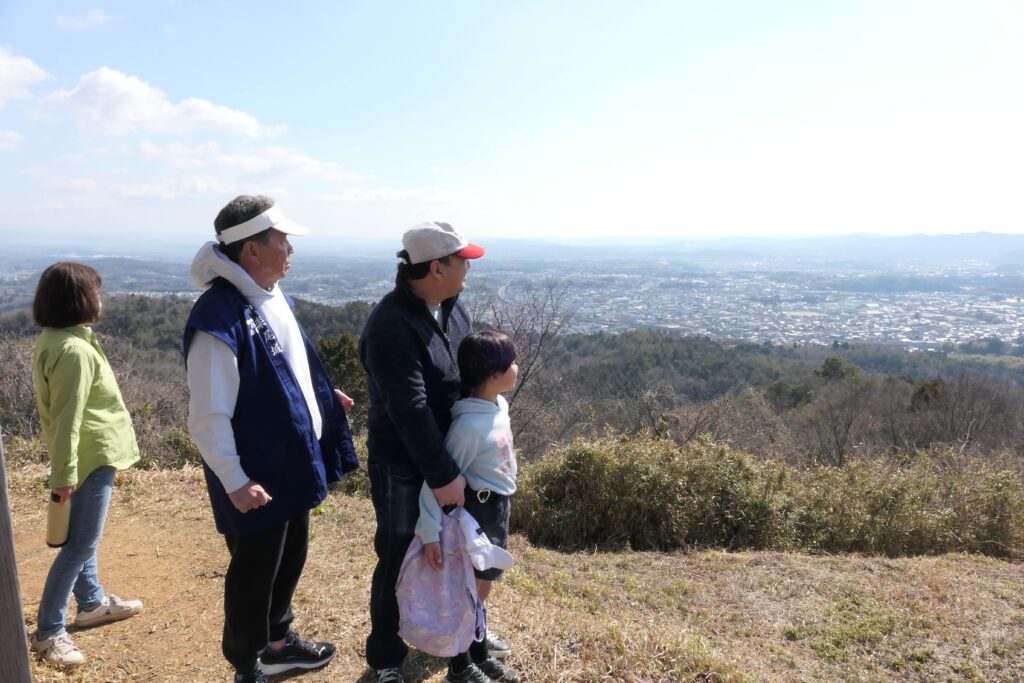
(213, 369)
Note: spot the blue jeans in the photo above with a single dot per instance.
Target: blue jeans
(74, 568)
(396, 500)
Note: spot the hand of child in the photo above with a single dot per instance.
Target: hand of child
(432, 551)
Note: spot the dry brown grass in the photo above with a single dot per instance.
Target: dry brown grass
(629, 616)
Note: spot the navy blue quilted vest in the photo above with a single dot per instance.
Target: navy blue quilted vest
(274, 436)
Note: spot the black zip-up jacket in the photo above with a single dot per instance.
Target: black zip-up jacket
(413, 380)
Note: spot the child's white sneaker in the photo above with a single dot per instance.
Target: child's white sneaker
(60, 650)
(112, 608)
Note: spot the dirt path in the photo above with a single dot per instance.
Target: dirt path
(160, 546)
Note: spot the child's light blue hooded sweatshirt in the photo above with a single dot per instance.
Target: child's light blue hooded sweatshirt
(480, 443)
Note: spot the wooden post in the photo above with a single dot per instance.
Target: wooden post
(13, 641)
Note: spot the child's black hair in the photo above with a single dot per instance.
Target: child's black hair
(482, 355)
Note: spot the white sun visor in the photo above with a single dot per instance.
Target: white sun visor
(271, 218)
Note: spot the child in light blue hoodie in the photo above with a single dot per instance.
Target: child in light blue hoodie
(480, 442)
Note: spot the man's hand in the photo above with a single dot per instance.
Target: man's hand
(344, 400)
(249, 497)
(432, 552)
(452, 493)
(64, 492)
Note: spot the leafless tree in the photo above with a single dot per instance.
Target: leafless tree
(693, 420)
(534, 318)
(18, 413)
(894, 428)
(841, 412)
(744, 420)
(631, 407)
(964, 412)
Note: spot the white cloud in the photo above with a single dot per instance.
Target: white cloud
(167, 189)
(94, 17)
(9, 139)
(429, 195)
(16, 75)
(271, 159)
(307, 165)
(112, 103)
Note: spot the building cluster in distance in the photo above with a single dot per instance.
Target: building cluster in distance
(755, 307)
(924, 307)
(804, 307)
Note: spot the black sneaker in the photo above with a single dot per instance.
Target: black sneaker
(389, 676)
(496, 671)
(496, 647)
(254, 676)
(296, 654)
(470, 675)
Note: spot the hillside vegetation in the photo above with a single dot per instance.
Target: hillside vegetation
(645, 493)
(680, 505)
(588, 616)
(716, 445)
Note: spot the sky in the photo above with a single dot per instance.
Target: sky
(554, 119)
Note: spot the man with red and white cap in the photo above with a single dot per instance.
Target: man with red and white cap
(271, 429)
(408, 349)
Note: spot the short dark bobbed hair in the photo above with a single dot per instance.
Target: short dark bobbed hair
(415, 271)
(68, 294)
(240, 209)
(483, 355)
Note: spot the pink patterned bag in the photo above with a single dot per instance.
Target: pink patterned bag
(439, 610)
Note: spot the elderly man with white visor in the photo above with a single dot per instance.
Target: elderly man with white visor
(270, 427)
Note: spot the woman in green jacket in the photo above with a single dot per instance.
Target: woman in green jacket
(89, 436)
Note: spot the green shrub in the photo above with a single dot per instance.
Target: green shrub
(650, 493)
(929, 505)
(356, 482)
(178, 442)
(20, 451)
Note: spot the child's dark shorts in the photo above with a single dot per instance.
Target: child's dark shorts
(492, 515)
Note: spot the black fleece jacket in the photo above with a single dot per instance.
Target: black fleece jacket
(413, 380)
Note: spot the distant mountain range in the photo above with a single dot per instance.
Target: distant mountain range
(994, 249)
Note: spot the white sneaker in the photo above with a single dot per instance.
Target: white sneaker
(112, 608)
(60, 650)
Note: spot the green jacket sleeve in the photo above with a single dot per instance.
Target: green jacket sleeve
(69, 382)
